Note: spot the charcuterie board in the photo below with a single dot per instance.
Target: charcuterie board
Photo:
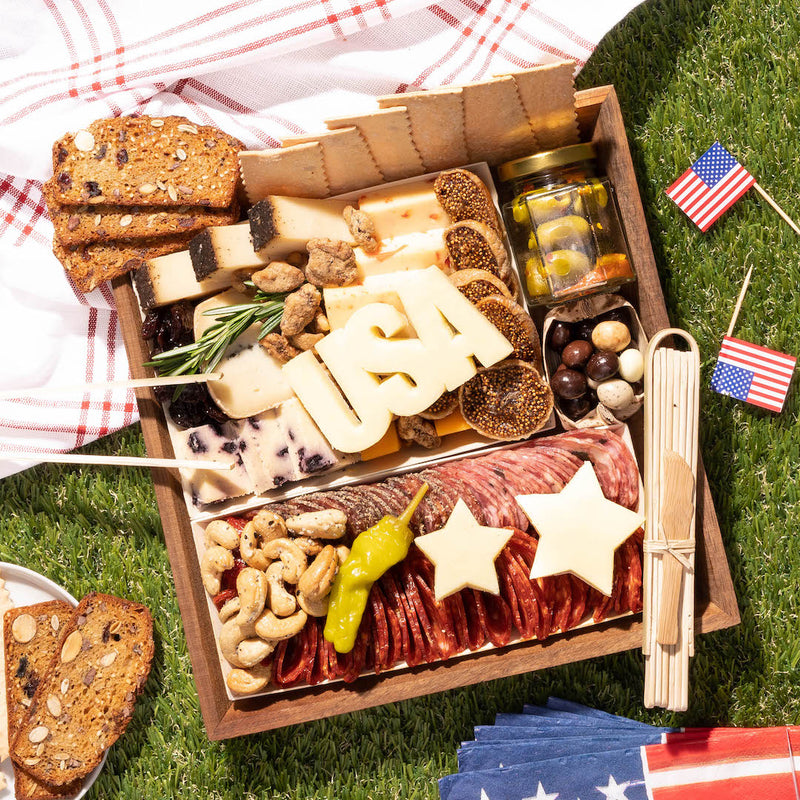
(601, 122)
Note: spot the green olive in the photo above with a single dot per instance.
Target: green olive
(562, 262)
(563, 233)
(549, 207)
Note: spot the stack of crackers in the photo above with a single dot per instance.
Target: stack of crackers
(132, 188)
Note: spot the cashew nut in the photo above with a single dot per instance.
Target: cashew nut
(292, 557)
(252, 587)
(317, 580)
(308, 545)
(230, 609)
(240, 648)
(314, 608)
(249, 681)
(269, 525)
(342, 552)
(330, 523)
(214, 562)
(280, 601)
(222, 533)
(250, 548)
(272, 628)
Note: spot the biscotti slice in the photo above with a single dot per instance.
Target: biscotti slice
(86, 698)
(6, 604)
(86, 224)
(31, 636)
(90, 264)
(134, 161)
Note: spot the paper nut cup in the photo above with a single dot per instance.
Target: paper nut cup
(600, 416)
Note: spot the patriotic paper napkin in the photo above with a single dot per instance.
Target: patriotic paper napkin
(259, 69)
(565, 751)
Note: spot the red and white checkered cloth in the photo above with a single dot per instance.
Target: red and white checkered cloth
(260, 70)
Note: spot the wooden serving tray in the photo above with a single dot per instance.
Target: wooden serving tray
(601, 122)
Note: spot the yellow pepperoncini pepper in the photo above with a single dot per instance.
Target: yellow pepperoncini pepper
(374, 551)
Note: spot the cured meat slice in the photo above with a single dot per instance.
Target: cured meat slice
(294, 657)
(476, 618)
(562, 602)
(579, 593)
(379, 630)
(498, 620)
(395, 652)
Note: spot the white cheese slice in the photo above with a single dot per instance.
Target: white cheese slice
(212, 444)
(410, 251)
(342, 302)
(170, 278)
(252, 380)
(399, 210)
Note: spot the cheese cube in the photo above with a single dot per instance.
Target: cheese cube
(399, 210)
(342, 302)
(222, 250)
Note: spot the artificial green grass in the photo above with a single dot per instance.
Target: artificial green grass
(687, 72)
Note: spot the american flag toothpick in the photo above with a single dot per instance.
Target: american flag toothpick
(712, 185)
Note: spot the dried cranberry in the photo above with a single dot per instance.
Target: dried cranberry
(229, 577)
(62, 154)
(122, 156)
(150, 324)
(64, 180)
(101, 152)
(92, 188)
(220, 599)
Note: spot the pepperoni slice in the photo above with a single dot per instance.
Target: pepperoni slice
(579, 594)
(476, 618)
(379, 629)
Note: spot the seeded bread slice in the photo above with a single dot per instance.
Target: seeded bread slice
(90, 264)
(27, 660)
(86, 224)
(132, 161)
(100, 667)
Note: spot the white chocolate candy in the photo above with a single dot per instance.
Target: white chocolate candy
(631, 365)
(615, 393)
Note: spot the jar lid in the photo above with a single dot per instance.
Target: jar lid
(548, 159)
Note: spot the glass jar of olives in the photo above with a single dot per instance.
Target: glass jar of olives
(563, 224)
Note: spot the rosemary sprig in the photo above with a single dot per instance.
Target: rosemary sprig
(231, 322)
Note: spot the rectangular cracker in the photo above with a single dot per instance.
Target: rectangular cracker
(388, 135)
(496, 126)
(129, 161)
(548, 96)
(103, 223)
(89, 265)
(297, 171)
(437, 125)
(348, 161)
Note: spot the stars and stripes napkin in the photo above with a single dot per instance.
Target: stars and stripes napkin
(260, 70)
(566, 751)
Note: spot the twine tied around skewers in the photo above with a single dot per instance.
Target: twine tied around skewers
(675, 548)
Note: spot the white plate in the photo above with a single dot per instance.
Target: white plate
(27, 587)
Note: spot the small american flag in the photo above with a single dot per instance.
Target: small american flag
(753, 373)
(710, 186)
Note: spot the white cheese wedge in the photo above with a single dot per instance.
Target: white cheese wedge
(252, 380)
(222, 250)
(410, 251)
(280, 225)
(283, 444)
(170, 278)
(212, 444)
(400, 210)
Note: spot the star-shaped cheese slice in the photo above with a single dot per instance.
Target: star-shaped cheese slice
(579, 530)
(463, 553)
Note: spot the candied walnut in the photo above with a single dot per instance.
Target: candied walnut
(321, 323)
(278, 347)
(299, 309)
(363, 229)
(306, 341)
(416, 430)
(330, 263)
(278, 276)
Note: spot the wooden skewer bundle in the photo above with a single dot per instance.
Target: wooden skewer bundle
(670, 471)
